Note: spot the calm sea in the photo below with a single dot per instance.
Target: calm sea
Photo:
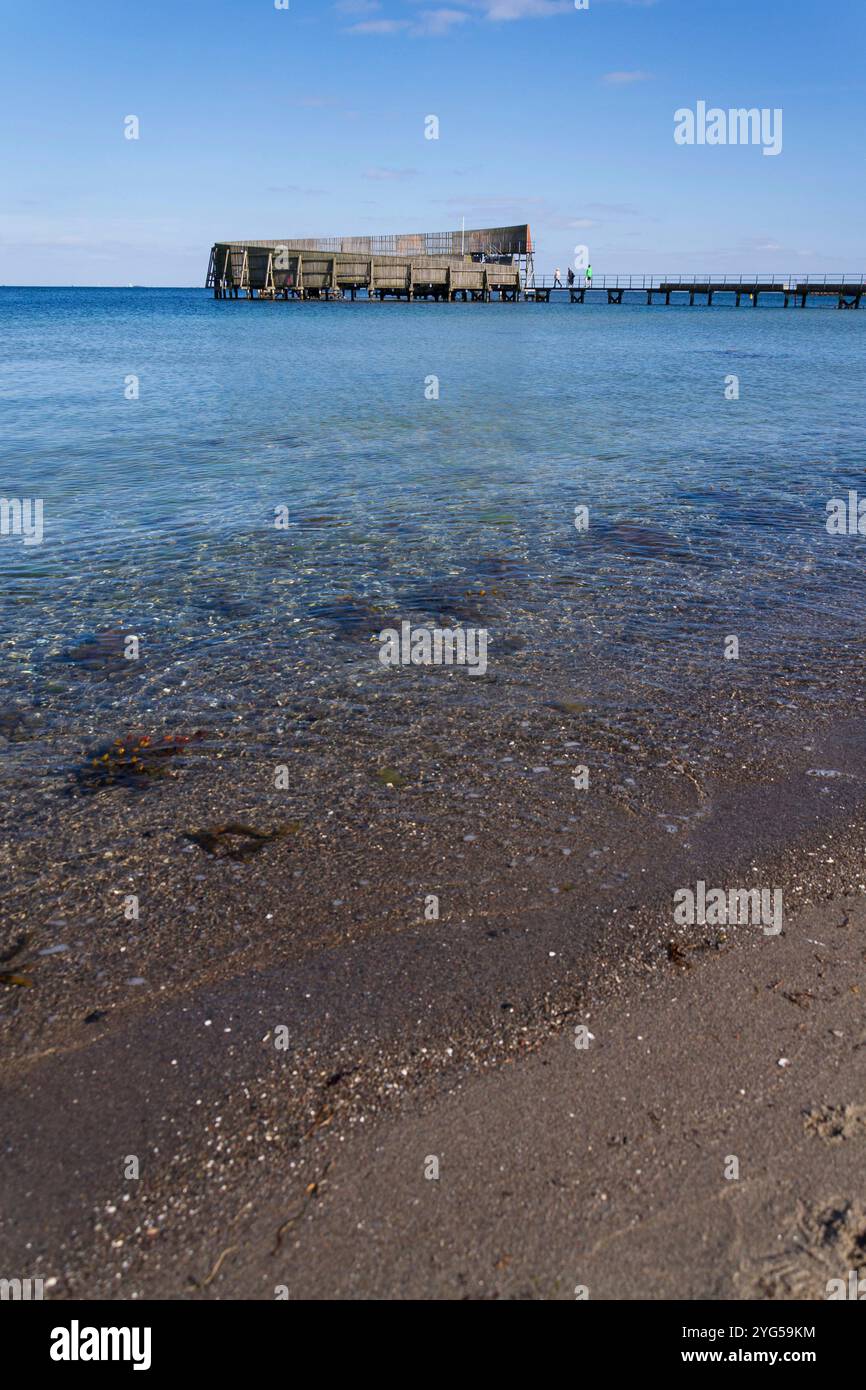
(429, 460)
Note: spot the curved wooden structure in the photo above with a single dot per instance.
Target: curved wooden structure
(469, 264)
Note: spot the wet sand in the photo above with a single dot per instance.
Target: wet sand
(408, 1039)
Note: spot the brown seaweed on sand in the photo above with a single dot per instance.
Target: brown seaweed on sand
(133, 762)
(235, 841)
(14, 977)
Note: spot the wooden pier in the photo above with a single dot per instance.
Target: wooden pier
(465, 265)
(848, 291)
(479, 266)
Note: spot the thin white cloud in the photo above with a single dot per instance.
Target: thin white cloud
(297, 190)
(524, 9)
(762, 244)
(440, 21)
(624, 79)
(383, 175)
(379, 26)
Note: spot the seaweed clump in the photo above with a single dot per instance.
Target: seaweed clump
(134, 762)
(236, 841)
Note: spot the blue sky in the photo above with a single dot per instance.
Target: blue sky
(265, 122)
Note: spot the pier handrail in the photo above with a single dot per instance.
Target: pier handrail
(654, 281)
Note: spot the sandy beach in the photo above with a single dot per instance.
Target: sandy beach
(286, 1041)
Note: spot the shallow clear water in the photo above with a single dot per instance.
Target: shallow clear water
(707, 515)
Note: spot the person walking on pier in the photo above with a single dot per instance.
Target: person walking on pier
(589, 274)
(570, 277)
(557, 283)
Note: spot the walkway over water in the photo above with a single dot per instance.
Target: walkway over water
(349, 267)
(847, 290)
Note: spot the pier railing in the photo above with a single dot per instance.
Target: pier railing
(789, 283)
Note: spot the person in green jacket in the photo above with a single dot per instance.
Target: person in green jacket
(589, 274)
